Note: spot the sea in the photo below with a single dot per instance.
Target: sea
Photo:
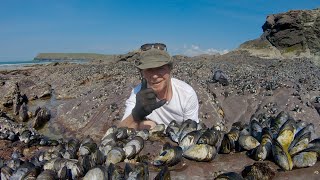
(12, 65)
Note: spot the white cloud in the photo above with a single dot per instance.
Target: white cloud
(195, 50)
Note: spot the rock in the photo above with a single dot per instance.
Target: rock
(23, 113)
(42, 116)
(288, 35)
(16, 103)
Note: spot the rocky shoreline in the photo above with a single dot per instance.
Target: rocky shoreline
(87, 99)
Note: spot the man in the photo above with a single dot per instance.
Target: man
(159, 98)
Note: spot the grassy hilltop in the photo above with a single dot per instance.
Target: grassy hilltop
(73, 56)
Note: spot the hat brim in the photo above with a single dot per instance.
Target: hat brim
(151, 65)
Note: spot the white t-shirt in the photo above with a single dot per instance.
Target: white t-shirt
(182, 106)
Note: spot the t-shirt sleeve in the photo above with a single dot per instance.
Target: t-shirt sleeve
(130, 103)
(192, 108)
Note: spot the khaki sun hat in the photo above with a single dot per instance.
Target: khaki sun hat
(153, 58)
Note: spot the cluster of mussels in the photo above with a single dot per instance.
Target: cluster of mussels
(289, 143)
(74, 159)
(195, 142)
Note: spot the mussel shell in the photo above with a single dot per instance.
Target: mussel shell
(173, 134)
(210, 137)
(25, 136)
(229, 176)
(69, 154)
(87, 139)
(14, 163)
(286, 134)
(141, 171)
(315, 142)
(190, 139)
(256, 129)
(281, 156)
(86, 162)
(122, 133)
(277, 122)
(186, 127)
(98, 157)
(32, 173)
(230, 141)
(225, 147)
(115, 155)
(138, 142)
(304, 159)
(72, 144)
(245, 130)
(47, 175)
(65, 173)
(172, 131)
(6, 172)
(97, 173)
(111, 130)
(114, 172)
(184, 132)
(87, 148)
(105, 149)
(164, 174)
(200, 152)
(130, 151)
(127, 170)
(238, 125)
(157, 130)
(264, 150)
(306, 129)
(169, 156)
(299, 143)
(109, 139)
(248, 142)
(300, 125)
(144, 134)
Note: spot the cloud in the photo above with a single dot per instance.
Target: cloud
(195, 50)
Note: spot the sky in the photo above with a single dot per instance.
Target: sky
(187, 27)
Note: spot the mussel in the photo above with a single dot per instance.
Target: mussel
(248, 142)
(115, 155)
(281, 156)
(170, 156)
(264, 150)
(286, 133)
(200, 152)
(97, 173)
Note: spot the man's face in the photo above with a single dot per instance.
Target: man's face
(157, 78)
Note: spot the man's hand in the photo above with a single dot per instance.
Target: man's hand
(145, 102)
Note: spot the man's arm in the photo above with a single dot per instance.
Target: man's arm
(131, 123)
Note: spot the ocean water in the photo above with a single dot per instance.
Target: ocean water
(11, 65)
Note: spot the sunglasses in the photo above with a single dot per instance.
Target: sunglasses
(148, 46)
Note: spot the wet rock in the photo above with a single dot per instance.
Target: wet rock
(42, 117)
(23, 113)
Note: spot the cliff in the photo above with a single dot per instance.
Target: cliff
(293, 34)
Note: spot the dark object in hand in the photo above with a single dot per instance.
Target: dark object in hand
(146, 102)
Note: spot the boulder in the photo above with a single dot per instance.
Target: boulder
(293, 34)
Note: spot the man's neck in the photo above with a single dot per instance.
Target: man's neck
(167, 92)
